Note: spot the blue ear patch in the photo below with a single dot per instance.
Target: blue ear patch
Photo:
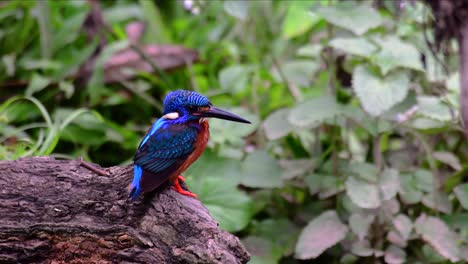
(135, 187)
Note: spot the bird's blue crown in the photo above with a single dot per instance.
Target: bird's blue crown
(181, 100)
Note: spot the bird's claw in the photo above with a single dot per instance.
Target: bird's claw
(179, 188)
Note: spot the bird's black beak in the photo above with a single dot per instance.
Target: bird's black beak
(221, 114)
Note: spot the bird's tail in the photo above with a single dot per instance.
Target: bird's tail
(135, 189)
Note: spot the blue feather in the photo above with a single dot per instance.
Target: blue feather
(135, 187)
(162, 152)
(155, 127)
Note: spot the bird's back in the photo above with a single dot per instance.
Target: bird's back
(167, 152)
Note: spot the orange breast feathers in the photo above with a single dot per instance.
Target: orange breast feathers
(200, 146)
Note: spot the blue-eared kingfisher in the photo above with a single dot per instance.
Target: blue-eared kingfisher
(175, 141)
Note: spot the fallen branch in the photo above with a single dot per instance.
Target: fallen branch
(57, 211)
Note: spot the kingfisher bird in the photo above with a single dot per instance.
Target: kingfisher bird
(175, 141)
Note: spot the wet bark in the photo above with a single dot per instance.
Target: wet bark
(57, 211)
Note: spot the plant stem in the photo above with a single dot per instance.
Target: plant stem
(330, 63)
(295, 92)
(376, 152)
(43, 19)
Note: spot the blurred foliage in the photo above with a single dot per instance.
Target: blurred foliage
(355, 152)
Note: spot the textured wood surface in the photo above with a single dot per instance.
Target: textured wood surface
(57, 211)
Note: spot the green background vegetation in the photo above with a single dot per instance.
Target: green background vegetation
(355, 151)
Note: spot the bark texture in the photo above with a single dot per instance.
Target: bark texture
(57, 211)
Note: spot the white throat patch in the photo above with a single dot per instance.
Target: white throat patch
(173, 115)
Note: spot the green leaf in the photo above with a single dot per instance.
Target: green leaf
(37, 84)
(348, 258)
(390, 207)
(363, 193)
(237, 8)
(461, 192)
(234, 78)
(395, 238)
(277, 125)
(71, 65)
(310, 50)
(365, 171)
(438, 201)
(96, 83)
(313, 183)
(435, 71)
(403, 225)
(330, 185)
(298, 18)
(433, 107)
(40, 64)
(299, 72)
(389, 183)
(409, 191)
(68, 31)
(453, 83)
(223, 131)
(354, 46)
(282, 232)
(424, 180)
(360, 223)
(157, 30)
(370, 124)
(212, 165)
(296, 167)
(86, 126)
(76, 134)
(314, 111)
(232, 208)
(379, 94)
(263, 250)
(67, 88)
(260, 170)
(355, 18)
(428, 125)
(435, 232)
(45, 28)
(395, 53)
(457, 221)
(362, 248)
(394, 255)
(119, 13)
(431, 256)
(448, 158)
(9, 63)
(321, 233)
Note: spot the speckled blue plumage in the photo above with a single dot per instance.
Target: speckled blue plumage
(180, 100)
(168, 143)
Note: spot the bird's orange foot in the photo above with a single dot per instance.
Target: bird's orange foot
(179, 189)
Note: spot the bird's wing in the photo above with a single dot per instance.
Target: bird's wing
(163, 150)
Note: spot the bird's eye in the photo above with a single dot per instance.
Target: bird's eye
(193, 109)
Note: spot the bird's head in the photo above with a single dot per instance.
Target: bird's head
(182, 106)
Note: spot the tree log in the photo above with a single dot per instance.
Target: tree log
(58, 211)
